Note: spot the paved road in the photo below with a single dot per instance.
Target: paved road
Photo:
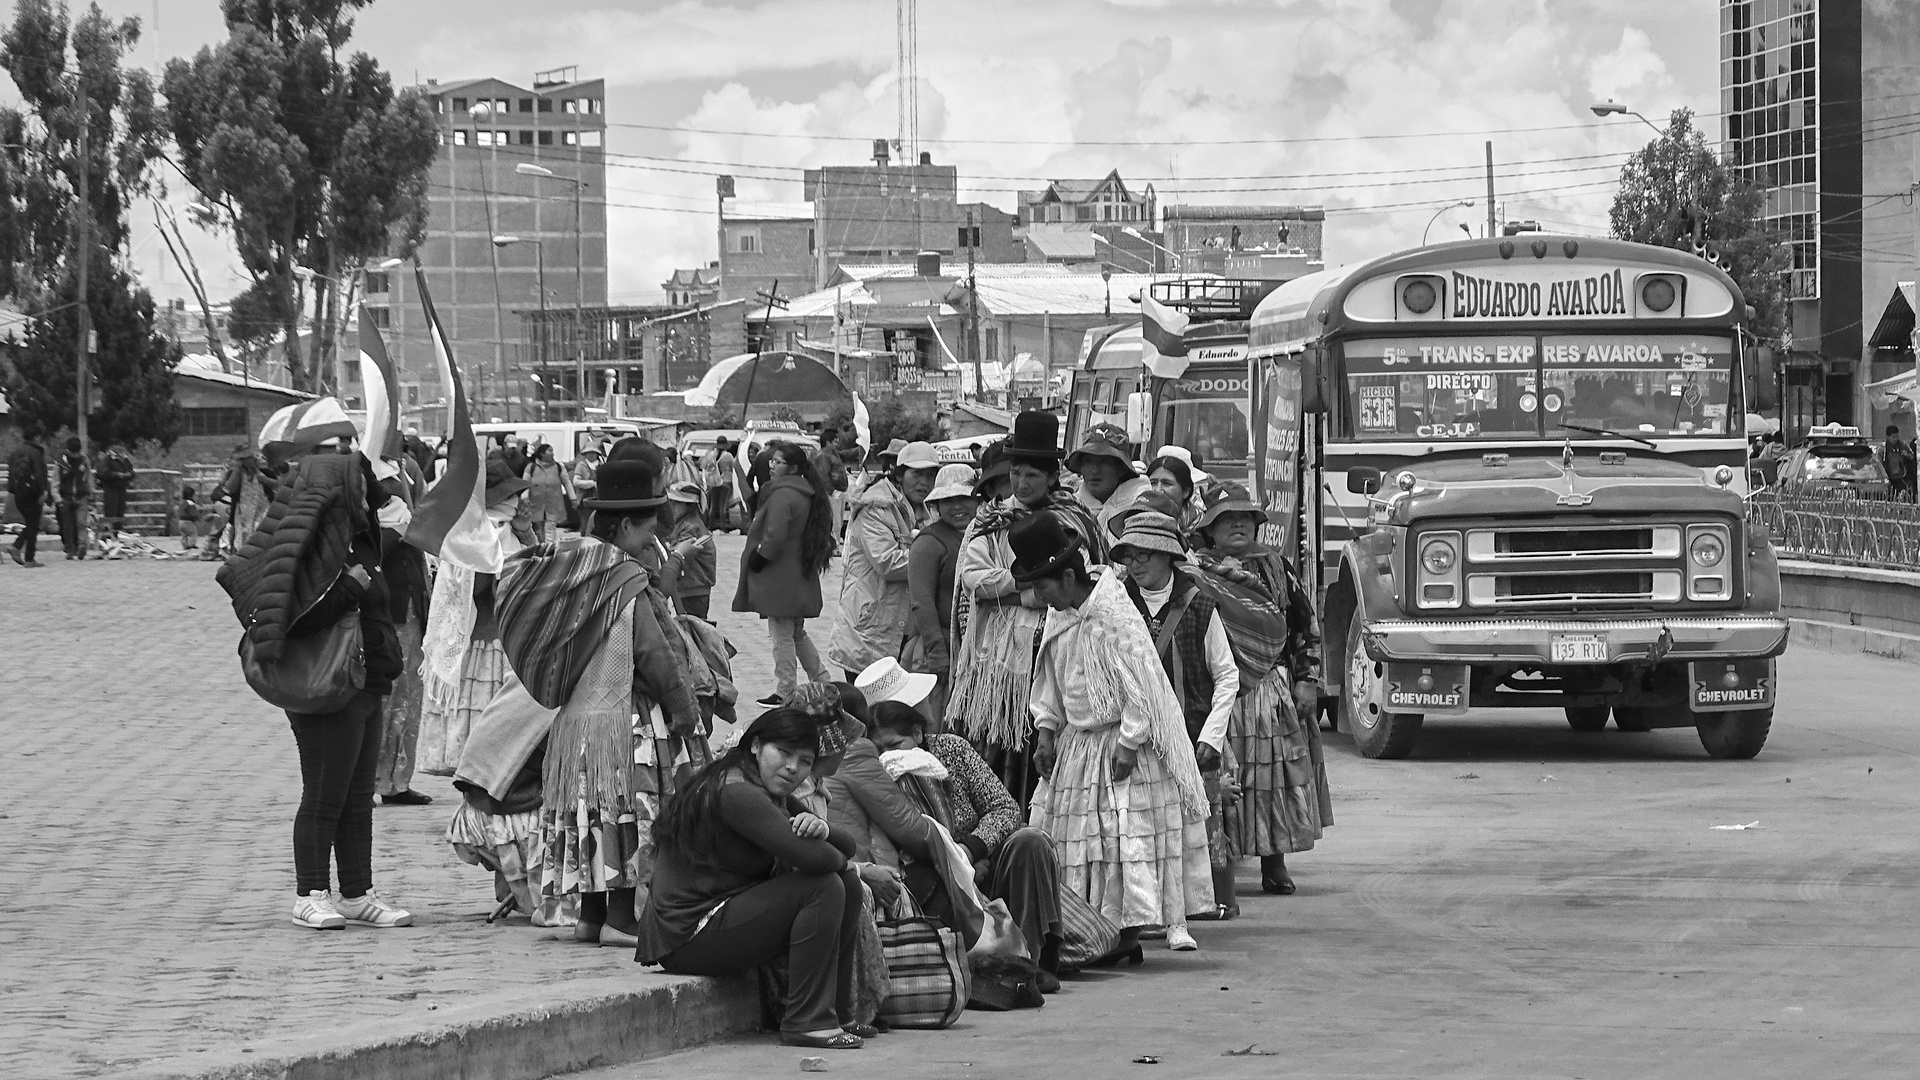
(145, 835)
(1521, 901)
(1506, 924)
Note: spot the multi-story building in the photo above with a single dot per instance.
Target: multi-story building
(693, 288)
(1103, 200)
(1817, 99)
(878, 214)
(1245, 241)
(518, 193)
(637, 349)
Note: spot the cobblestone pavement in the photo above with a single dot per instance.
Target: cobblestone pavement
(146, 836)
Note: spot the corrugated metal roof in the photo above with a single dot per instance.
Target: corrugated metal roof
(1062, 294)
(1201, 212)
(1061, 244)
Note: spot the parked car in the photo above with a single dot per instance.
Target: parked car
(1835, 463)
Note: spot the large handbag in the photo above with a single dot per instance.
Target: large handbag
(928, 973)
(318, 673)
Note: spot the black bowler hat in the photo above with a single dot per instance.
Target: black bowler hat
(624, 484)
(1036, 435)
(1042, 544)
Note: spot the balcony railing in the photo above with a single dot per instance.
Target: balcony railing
(1856, 532)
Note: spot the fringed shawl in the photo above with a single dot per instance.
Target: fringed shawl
(590, 746)
(1114, 658)
(557, 605)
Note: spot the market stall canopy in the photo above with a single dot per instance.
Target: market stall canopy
(1904, 385)
(771, 378)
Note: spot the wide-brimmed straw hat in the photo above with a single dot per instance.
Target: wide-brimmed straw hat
(886, 680)
(1041, 544)
(1150, 530)
(952, 482)
(1227, 497)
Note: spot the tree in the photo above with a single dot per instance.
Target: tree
(40, 181)
(1677, 193)
(310, 161)
(889, 419)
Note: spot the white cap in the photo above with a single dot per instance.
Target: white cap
(918, 455)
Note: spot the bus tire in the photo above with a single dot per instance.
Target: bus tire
(1587, 717)
(1734, 735)
(1376, 732)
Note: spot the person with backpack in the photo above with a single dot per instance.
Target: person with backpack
(76, 494)
(27, 483)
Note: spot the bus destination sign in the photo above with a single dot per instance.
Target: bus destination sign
(1604, 293)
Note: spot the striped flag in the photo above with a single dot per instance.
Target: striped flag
(1164, 331)
(382, 388)
(306, 425)
(451, 521)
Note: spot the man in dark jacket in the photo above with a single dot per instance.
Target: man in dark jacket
(76, 492)
(27, 483)
(116, 476)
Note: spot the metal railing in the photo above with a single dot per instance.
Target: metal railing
(1856, 532)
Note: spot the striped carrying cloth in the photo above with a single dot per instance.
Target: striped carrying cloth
(557, 603)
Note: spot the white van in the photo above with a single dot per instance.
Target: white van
(567, 437)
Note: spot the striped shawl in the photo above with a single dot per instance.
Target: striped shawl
(557, 603)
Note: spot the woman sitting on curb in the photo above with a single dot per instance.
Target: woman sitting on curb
(720, 906)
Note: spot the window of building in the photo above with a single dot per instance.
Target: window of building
(459, 106)
(502, 105)
(546, 104)
(1083, 213)
(382, 318)
(590, 138)
(413, 395)
(569, 105)
(570, 138)
(376, 282)
(592, 105)
(439, 104)
(810, 241)
(526, 104)
(461, 136)
(546, 138)
(992, 346)
(748, 242)
(214, 421)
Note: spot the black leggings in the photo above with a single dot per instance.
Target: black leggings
(338, 755)
(809, 918)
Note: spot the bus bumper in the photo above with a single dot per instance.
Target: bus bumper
(1534, 640)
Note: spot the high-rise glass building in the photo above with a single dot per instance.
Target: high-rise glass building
(1818, 101)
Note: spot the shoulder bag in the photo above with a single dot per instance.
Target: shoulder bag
(318, 673)
(928, 972)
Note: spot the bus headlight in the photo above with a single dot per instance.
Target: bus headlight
(1437, 571)
(1438, 557)
(1657, 294)
(1419, 296)
(1707, 549)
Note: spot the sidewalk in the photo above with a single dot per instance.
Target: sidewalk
(144, 915)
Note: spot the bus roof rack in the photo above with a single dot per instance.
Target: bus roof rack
(1212, 298)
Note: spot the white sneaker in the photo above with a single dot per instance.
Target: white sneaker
(315, 911)
(370, 910)
(1180, 941)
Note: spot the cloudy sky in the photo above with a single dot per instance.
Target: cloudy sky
(1375, 109)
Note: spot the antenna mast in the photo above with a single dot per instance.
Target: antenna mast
(907, 17)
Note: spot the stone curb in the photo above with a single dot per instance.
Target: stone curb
(517, 1035)
(1842, 638)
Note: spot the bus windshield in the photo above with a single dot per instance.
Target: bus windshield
(1527, 387)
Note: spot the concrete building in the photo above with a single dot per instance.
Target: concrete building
(876, 214)
(640, 349)
(1245, 241)
(489, 130)
(693, 288)
(1817, 99)
(220, 410)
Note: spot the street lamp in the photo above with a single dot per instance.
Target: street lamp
(1179, 264)
(1611, 107)
(528, 168)
(540, 261)
(1436, 217)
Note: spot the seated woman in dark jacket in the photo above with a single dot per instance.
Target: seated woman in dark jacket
(719, 903)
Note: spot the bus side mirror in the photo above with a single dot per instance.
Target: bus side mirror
(1363, 480)
(1140, 417)
(1313, 394)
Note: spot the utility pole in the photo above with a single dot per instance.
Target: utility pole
(973, 318)
(83, 244)
(1492, 229)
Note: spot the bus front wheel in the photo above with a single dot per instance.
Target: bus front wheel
(1376, 732)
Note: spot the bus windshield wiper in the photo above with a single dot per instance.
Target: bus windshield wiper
(1612, 434)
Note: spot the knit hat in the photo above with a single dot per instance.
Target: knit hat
(1151, 531)
(952, 482)
(1042, 544)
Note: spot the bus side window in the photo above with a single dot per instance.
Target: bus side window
(1121, 389)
